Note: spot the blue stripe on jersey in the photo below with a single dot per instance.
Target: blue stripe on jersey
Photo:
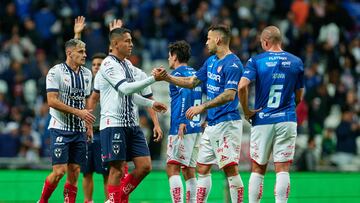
(52, 90)
(278, 75)
(148, 95)
(181, 100)
(220, 75)
(119, 83)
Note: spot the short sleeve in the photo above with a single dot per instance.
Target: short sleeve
(300, 78)
(53, 80)
(250, 70)
(232, 73)
(201, 74)
(97, 83)
(113, 73)
(88, 82)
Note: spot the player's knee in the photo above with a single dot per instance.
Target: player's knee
(59, 173)
(146, 168)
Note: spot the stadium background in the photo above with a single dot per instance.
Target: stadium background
(324, 33)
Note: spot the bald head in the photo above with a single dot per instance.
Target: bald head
(272, 35)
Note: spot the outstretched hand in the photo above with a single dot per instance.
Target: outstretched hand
(159, 73)
(116, 23)
(159, 107)
(79, 25)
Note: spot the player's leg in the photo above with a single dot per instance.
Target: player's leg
(261, 140)
(138, 151)
(77, 157)
(284, 149)
(113, 149)
(192, 142)
(226, 142)
(60, 155)
(206, 158)
(190, 182)
(70, 187)
(88, 186)
(97, 165)
(52, 181)
(176, 187)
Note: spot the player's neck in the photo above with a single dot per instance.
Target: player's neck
(275, 48)
(179, 65)
(118, 55)
(75, 67)
(222, 52)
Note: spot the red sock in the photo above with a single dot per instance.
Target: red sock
(69, 193)
(114, 193)
(48, 189)
(128, 184)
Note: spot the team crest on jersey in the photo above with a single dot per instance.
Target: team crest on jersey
(57, 152)
(219, 69)
(116, 149)
(67, 81)
(87, 81)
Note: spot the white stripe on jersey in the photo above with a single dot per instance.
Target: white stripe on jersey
(72, 89)
(117, 110)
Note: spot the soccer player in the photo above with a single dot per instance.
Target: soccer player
(279, 88)
(121, 137)
(183, 140)
(221, 141)
(68, 84)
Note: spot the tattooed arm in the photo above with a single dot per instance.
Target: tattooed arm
(225, 97)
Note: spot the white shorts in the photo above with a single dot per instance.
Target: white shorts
(277, 138)
(221, 144)
(183, 151)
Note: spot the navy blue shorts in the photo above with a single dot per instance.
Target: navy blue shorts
(67, 147)
(93, 161)
(123, 143)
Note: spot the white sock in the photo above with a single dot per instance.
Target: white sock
(236, 188)
(282, 187)
(191, 190)
(176, 189)
(255, 187)
(203, 188)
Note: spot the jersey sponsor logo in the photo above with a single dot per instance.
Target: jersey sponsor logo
(278, 76)
(263, 115)
(275, 115)
(232, 82)
(271, 64)
(57, 152)
(213, 76)
(212, 88)
(116, 136)
(273, 58)
(286, 64)
(128, 188)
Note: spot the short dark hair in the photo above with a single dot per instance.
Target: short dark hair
(181, 49)
(118, 32)
(98, 55)
(224, 30)
(73, 43)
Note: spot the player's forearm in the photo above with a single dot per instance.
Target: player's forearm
(92, 101)
(299, 95)
(225, 97)
(187, 82)
(77, 35)
(142, 101)
(243, 97)
(58, 105)
(153, 115)
(128, 88)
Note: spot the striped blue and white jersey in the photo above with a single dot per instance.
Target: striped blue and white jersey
(72, 88)
(117, 109)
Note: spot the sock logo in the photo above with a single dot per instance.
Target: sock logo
(187, 196)
(128, 188)
(176, 195)
(200, 194)
(240, 198)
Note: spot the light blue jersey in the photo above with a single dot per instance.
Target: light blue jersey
(277, 75)
(220, 75)
(181, 100)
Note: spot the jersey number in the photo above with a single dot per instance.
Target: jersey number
(275, 96)
(197, 102)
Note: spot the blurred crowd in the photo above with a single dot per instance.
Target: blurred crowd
(325, 34)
